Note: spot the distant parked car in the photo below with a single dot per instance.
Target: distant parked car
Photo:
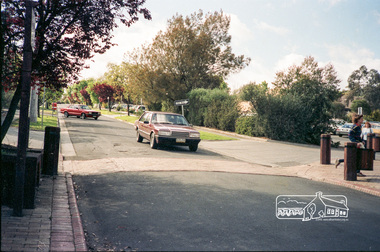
(376, 128)
(82, 111)
(344, 129)
(334, 124)
(140, 108)
(163, 128)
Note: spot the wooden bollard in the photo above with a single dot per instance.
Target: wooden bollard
(350, 153)
(370, 143)
(376, 143)
(325, 155)
(370, 140)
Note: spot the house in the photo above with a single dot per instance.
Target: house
(323, 207)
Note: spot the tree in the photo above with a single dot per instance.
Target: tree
(363, 104)
(86, 96)
(338, 110)
(280, 117)
(299, 107)
(104, 92)
(317, 87)
(214, 108)
(67, 33)
(194, 52)
(365, 84)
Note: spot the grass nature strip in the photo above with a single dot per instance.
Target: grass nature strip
(50, 121)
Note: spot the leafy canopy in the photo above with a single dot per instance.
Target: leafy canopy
(194, 52)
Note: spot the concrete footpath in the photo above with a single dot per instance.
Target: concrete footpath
(55, 223)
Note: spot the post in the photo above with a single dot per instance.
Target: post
(23, 130)
(376, 143)
(350, 153)
(370, 140)
(325, 155)
(51, 150)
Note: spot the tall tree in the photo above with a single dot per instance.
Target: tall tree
(194, 52)
(68, 32)
(104, 92)
(366, 84)
(316, 87)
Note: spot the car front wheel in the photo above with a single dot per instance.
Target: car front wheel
(193, 147)
(66, 114)
(153, 143)
(83, 116)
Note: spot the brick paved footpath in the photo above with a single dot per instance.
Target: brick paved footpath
(53, 225)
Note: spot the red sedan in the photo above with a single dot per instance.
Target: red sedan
(82, 111)
(163, 128)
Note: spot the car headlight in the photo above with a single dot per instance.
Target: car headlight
(164, 133)
(195, 134)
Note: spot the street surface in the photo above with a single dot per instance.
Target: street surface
(134, 198)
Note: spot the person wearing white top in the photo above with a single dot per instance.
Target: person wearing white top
(365, 131)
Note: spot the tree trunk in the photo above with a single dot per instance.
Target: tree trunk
(11, 112)
(33, 104)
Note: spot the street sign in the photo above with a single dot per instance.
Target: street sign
(182, 102)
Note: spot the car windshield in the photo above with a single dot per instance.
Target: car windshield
(347, 125)
(84, 107)
(169, 119)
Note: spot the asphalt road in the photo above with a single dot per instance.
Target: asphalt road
(201, 211)
(107, 138)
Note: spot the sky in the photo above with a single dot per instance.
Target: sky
(275, 34)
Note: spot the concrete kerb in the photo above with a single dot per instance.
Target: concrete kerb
(68, 149)
(79, 237)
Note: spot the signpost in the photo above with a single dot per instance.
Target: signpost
(182, 103)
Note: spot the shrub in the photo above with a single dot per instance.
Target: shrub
(213, 108)
(248, 125)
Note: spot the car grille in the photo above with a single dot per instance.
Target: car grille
(180, 134)
(94, 113)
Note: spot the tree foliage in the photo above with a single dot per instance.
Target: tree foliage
(366, 109)
(194, 52)
(299, 107)
(104, 92)
(213, 108)
(365, 84)
(68, 32)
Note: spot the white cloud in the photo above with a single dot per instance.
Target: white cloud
(127, 39)
(287, 61)
(255, 72)
(239, 31)
(267, 27)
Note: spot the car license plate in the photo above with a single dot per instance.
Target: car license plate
(181, 140)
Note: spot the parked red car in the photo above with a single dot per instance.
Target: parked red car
(163, 128)
(82, 111)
